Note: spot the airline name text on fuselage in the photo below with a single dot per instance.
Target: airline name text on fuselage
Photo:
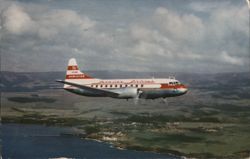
(131, 82)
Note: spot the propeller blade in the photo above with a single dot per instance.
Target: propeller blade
(137, 98)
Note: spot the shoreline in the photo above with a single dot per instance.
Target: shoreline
(119, 146)
(112, 145)
(24, 134)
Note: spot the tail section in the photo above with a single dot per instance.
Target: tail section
(73, 73)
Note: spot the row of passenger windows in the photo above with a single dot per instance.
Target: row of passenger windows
(118, 86)
(126, 85)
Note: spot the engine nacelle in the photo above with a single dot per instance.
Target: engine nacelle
(126, 93)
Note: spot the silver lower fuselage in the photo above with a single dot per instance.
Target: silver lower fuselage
(146, 93)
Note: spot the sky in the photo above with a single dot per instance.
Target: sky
(197, 36)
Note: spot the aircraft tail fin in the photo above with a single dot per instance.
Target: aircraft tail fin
(73, 72)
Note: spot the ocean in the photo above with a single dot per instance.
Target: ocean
(22, 141)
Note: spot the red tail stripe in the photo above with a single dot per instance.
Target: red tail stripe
(78, 76)
(72, 68)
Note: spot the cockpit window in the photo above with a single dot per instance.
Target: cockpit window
(175, 83)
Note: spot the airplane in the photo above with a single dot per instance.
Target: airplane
(152, 88)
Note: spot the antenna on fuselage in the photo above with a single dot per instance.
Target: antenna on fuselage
(153, 75)
(171, 77)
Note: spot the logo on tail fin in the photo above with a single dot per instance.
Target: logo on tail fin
(73, 71)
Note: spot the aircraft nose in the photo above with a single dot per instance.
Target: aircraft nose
(183, 89)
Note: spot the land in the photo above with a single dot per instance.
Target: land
(210, 121)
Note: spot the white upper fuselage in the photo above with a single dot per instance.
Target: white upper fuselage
(121, 83)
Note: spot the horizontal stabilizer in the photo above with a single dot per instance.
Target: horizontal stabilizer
(56, 88)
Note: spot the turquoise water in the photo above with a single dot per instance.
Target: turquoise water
(35, 141)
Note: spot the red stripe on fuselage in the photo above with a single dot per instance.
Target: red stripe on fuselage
(170, 86)
(78, 76)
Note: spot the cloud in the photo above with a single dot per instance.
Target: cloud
(145, 48)
(189, 38)
(178, 26)
(248, 3)
(59, 20)
(47, 25)
(140, 32)
(27, 37)
(207, 6)
(195, 37)
(224, 22)
(225, 57)
(16, 21)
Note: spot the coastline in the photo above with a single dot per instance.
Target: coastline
(111, 144)
(57, 130)
(123, 146)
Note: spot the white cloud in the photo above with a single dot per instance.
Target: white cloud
(248, 3)
(60, 20)
(225, 57)
(164, 36)
(16, 21)
(178, 26)
(188, 37)
(145, 48)
(224, 22)
(53, 31)
(152, 43)
(161, 38)
(208, 6)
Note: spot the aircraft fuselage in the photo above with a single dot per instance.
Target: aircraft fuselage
(152, 88)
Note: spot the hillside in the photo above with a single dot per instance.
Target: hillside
(33, 81)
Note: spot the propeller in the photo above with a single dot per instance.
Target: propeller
(137, 98)
(165, 101)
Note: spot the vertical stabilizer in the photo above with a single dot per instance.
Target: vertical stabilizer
(73, 73)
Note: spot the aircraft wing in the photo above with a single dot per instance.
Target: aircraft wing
(106, 92)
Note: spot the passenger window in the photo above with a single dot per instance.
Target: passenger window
(115, 85)
(126, 85)
(101, 85)
(142, 85)
(120, 86)
(136, 85)
(110, 86)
